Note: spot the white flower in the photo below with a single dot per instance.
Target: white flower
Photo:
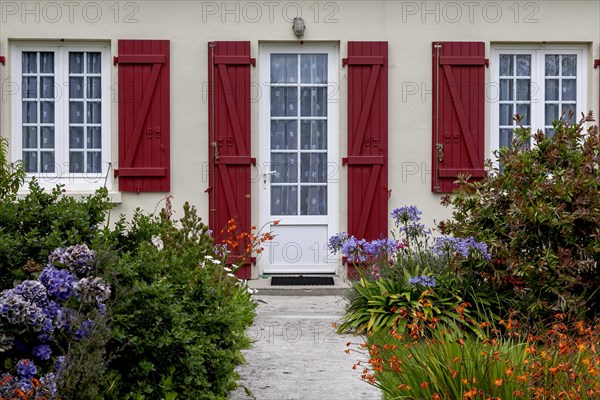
(216, 262)
(251, 291)
(230, 274)
(157, 242)
(227, 269)
(208, 257)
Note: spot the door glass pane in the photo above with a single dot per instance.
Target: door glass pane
(506, 65)
(314, 200)
(76, 87)
(29, 62)
(313, 167)
(523, 65)
(75, 63)
(506, 136)
(47, 62)
(506, 89)
(552, 65)
(313, 68)
(524, 112)
(523, 86)
(76, 112)
(93, 88)
(29, 137)
(314, 102)
(552, 89)
(551, 113)
(569, 65)
(284, 101)
(47, 161)
(30, 160)
(286, 167)
(30, 111)
(94, 113)
(94, 138)
(569, 90)
(93, 63)
(284, 134)
(47, 112)
(76, 162)
(506, 114)
(94, 164)
(29, 87)
(284, 68)
(314, 135)
(76, 137)
(284, 200)
(47, 87)
(47, 137)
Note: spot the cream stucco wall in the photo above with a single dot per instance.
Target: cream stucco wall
(408, 26)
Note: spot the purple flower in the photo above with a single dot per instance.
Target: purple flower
(422, 280)
(84, 330)
(463, 247)
(78, 259)
(59, 282)
(92, 290)
(26, 369)
(48, 382)
(382, 247)
(336, 241)
(42, 351)
(354, 250)
(59, 364)
(32, 291)
(406, 215)
(16, 310)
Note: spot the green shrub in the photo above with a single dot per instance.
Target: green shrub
(541, 218)
(32, 226)
(178, 318)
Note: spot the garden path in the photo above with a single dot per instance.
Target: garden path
(297, 354)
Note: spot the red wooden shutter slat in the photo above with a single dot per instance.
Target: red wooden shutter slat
(367, 139)
(144, 116)
(458, 112)
(229, 142)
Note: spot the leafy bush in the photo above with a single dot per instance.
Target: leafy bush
(179, 318)
(540, 216)
(33, 226)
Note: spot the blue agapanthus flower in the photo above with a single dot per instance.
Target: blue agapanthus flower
(336, 241)
(382, 247)
(464, 247)
(42, 351)
(26, 369)
(354, 250)
(422, 280)
(406, 215)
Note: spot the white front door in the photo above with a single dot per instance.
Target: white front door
(298, 156)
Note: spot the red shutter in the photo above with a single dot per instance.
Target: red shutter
(229, 140)
(458, 112)
(144, 116)
(596, 65)
(367, 139)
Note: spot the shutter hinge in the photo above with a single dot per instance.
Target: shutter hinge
(439, 147)
(115, 60)
(596, 63)
(215, 147)
(487, 62)
(2, 60)
(116, 173)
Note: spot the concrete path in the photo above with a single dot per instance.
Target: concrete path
(298, 355)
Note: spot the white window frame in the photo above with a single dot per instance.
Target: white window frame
(538, 87)
(74, 182)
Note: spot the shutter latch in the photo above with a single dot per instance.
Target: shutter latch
(439, 147)
(215, 147)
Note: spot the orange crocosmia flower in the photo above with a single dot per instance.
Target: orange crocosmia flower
(455, 359)
(424, 385)
(509, 371)
(276, 222)
(522, 378)
(470, 394)
(554, 370)
(454, 373)
(436, 396)
(498, 382)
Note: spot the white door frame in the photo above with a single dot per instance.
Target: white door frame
(332, 218)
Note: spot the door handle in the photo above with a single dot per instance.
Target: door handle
(266, 174)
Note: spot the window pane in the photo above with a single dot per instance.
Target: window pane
(94, 113)
(523, 65)
(76, 87)
(284, 68)
(523, 86)
(284, 200)
(284, 134)
(47, 161)
(552, 89)
(76, 137)
(47, 137)
(94, 138)
(47, 62)
(93, 63)
(75, 63)
(94, 162)
(93, 88)
(506, 136)
(569, 90)
(47, 112)
(313, 167)
(76, 112)
(76, 162)
(506, 65)
(286, 167)
(549, 132)
(551, 113)
(566, 110)
(314, 200)
(30, 160)
(506, 89)
(29, 87)
(29, 62)
(552, 63)
(47, 83)
(506, 114)
(314, 135)
(569, 65)
(314, 102)
(284, 102)
(30, 112)
(29, 137)
(313, 68)
(524, 111)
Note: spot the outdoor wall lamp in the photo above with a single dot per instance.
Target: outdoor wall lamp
(298, 27)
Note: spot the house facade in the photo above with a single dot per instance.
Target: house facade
(325, 124)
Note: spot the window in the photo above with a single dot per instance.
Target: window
(541, 85)
(61, 114)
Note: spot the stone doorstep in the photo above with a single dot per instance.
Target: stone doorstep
(263, 285)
